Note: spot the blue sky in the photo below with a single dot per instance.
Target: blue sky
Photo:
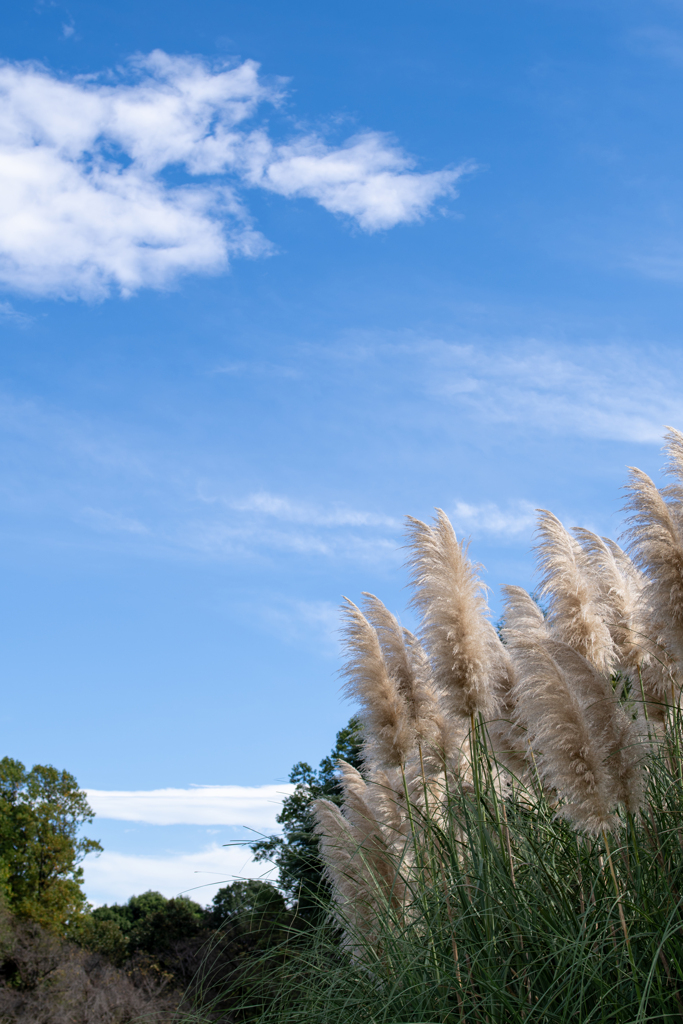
(273, 276)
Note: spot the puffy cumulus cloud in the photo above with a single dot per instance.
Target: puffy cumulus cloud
(366, 179)
(128, 180)
(82, 203)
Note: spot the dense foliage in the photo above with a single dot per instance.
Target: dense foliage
(41, 813)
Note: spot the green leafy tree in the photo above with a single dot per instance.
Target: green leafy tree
(150, 923)
(41, 814)
(295, 852)
(250, 898)
(177, 940)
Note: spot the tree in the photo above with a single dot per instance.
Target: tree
(250, 898)
(177, 940)
(295, 852)
(150, 923)
(41, 813)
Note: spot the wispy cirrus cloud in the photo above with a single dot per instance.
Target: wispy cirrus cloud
(660, 261)
(111, 522)
(11, 315)
(607, 391)
(263, 521)
(238, 538)
(315, 624)
(277, 507)
(517, 518)
(86, 204)
(657, 41)
(100, 478)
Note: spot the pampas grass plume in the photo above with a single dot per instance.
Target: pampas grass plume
(409, 667)
(576, 614)
(655, 533)
(567, 754)
(389, 730)
(455, 629)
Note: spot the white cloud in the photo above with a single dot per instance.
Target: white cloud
(366, 178)
(253, 806)
(85, 200)
(489, 518)
(111, 522)
(660, 263)
(590, 391)
(115, 877)
(324, 530)
(657, 41)
(259, 369)
(296, 512)
(8, 312)
(218, 538)
(313, 624)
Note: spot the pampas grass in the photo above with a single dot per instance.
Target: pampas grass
(620, 587)
(434, 733)
(576, 611)
(450, 597)
(390, 729)
(512, 849)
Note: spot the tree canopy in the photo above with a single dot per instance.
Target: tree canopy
(41, 813)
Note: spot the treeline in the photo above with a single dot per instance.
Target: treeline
(62, 961)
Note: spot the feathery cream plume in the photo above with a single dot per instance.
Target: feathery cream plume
(655, 532)
(389, 731)
(615, 731)
(400, 799)
(347, 874)
(363, 856)
(674, 449)
(337, 847)
(620, 585)
(366, 825)
(639, 647)
(522, 617)
(408, 665)
(576, 613)
(458, 636)
(566, 752)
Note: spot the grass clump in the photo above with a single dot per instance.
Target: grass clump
(511, 848)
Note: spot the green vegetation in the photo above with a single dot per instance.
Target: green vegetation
(496, 839)
(60, 961)
(41, 813)
(50, 973)
(168, 936)
(511, 849)
(512, 917)
(295, 853)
